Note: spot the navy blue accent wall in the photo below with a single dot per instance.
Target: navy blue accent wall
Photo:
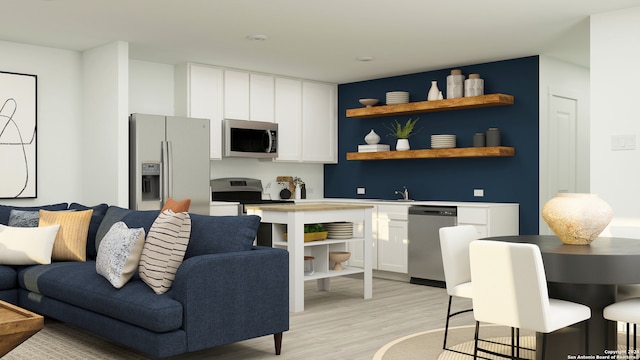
(504, 179)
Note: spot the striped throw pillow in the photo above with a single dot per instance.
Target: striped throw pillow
(164, 250)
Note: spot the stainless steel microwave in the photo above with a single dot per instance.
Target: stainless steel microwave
(254, 139)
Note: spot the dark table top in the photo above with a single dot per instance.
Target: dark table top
(606, 261)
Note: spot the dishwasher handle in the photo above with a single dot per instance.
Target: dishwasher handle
(434, 210)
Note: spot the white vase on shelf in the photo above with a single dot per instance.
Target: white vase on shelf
(434, 92)
(372, 138)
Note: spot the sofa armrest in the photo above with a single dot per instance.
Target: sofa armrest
(234, 296)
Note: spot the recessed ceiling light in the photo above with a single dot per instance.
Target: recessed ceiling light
(365, 58)
(257, 37)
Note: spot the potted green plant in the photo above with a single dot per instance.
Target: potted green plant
(403, 132)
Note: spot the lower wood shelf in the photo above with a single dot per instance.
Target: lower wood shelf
(471, 152)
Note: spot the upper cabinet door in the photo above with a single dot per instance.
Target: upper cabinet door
(261, 97)
(206, 101)
(319, 122)
(288, 110)
(236, 95)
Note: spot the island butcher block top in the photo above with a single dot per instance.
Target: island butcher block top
(308, 207)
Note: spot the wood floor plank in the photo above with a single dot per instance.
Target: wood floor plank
(340, 324)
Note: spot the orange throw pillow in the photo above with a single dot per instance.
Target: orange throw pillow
(176, 206)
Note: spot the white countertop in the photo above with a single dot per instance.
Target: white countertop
(406, 203)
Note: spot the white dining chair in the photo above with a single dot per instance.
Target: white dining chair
(454, 245)
(626, 311)
(510, 288)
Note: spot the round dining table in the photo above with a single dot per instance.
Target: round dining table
(589, 275)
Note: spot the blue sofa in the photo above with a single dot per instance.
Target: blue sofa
(225, 290)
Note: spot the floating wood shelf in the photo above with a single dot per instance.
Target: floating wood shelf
(431, 106)
(471, 152)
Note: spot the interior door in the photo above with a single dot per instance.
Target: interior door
(562, 148)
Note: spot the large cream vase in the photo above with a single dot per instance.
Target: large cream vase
(577, 218)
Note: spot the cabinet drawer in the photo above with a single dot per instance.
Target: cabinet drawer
(472, 215)
(393, 212)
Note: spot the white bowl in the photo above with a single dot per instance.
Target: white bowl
(369, 102)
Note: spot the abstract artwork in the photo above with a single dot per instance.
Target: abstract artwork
(18, 119)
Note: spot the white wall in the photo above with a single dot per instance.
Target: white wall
(105, 129)
(614, 111)
(59, 178)
(151, 91)
(563, 79)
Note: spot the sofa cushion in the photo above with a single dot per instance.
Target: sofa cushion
(71, 241)
(218, 234)
(8, 277)
(164, 250)
(5, 210)
(27, 245)
(78, 284)
(24, 218)
(111, 216)
(119, 254)
(97, 216)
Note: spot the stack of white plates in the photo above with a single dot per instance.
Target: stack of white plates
(397, 97)
(443, 141)
(339, 230)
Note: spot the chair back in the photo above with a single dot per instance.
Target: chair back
(454, 245)
(509, 284)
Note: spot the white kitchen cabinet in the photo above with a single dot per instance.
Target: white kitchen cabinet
(223, 208)
(491, 220)
(288, 115)
(306, 114)
(389, 239)
(261, 97)
(236, 95)
(199, 94)
(392, 238)
(319, 122)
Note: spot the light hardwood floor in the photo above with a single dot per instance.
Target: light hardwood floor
(340, 324)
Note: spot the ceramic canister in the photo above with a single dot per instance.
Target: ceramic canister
(493, 137)
(455, 84)
(478, 140)
(473, 86)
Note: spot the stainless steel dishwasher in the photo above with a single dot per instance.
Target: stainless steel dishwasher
(425, 258)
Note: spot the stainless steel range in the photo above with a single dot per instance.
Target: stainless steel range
(246, 191)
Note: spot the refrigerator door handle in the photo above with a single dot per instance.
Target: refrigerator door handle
(169, 169)
(164, 178)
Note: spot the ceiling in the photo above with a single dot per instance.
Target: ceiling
(318, 40)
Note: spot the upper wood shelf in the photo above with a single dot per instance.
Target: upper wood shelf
(431, 106)
(471, 152)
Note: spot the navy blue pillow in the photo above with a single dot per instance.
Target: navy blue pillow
(5, 210)
(96, 218)
(219, 234)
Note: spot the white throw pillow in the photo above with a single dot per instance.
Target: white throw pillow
(119, 253)
(27, 245)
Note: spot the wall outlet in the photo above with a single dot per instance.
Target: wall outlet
(360, 191)
(478, 192)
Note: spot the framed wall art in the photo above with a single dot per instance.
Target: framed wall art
(18, 125)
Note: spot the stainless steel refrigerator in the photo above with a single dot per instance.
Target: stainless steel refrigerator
(168, 158)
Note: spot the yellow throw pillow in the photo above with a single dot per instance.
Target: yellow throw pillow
(71, 241)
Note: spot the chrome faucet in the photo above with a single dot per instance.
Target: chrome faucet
(404, 193)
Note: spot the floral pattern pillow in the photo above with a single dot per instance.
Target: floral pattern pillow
(119, 253)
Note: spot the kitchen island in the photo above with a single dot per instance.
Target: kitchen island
(291, 219)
